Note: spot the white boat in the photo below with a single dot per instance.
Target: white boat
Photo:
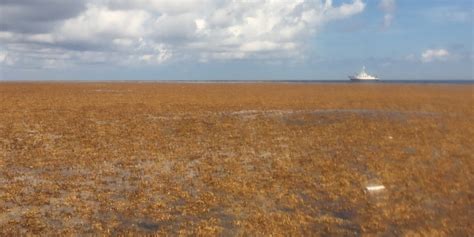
(363, 76)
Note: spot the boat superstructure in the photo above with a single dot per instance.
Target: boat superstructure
(363, 76)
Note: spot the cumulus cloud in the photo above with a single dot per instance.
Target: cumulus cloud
(388, 7)
(431, 55)
(136, 32)
(98, 23)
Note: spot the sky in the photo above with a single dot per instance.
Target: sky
(235, 39)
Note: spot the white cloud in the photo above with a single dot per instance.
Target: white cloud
(3, 56)
(431, 55)
(161, 55)
(40, 38)
(343, 11)
(99, 22)
(131, 32)
(6, 59)
(388, 7)
(387, 20)
(449, 14)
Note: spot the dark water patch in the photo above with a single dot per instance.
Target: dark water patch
(149, 226)
(313, 120)
(409, 150)
(345, 214)
(226, 221)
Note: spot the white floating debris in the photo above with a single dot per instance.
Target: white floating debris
(373, 188)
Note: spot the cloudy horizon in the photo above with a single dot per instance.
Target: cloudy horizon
(220, 40)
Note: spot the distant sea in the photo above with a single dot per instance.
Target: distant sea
(255, 81)
(317, 81)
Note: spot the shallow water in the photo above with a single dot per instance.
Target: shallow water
(235, 160)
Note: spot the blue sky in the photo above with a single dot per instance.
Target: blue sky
(220, 40)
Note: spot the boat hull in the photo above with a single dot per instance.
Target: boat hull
(361, 80)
